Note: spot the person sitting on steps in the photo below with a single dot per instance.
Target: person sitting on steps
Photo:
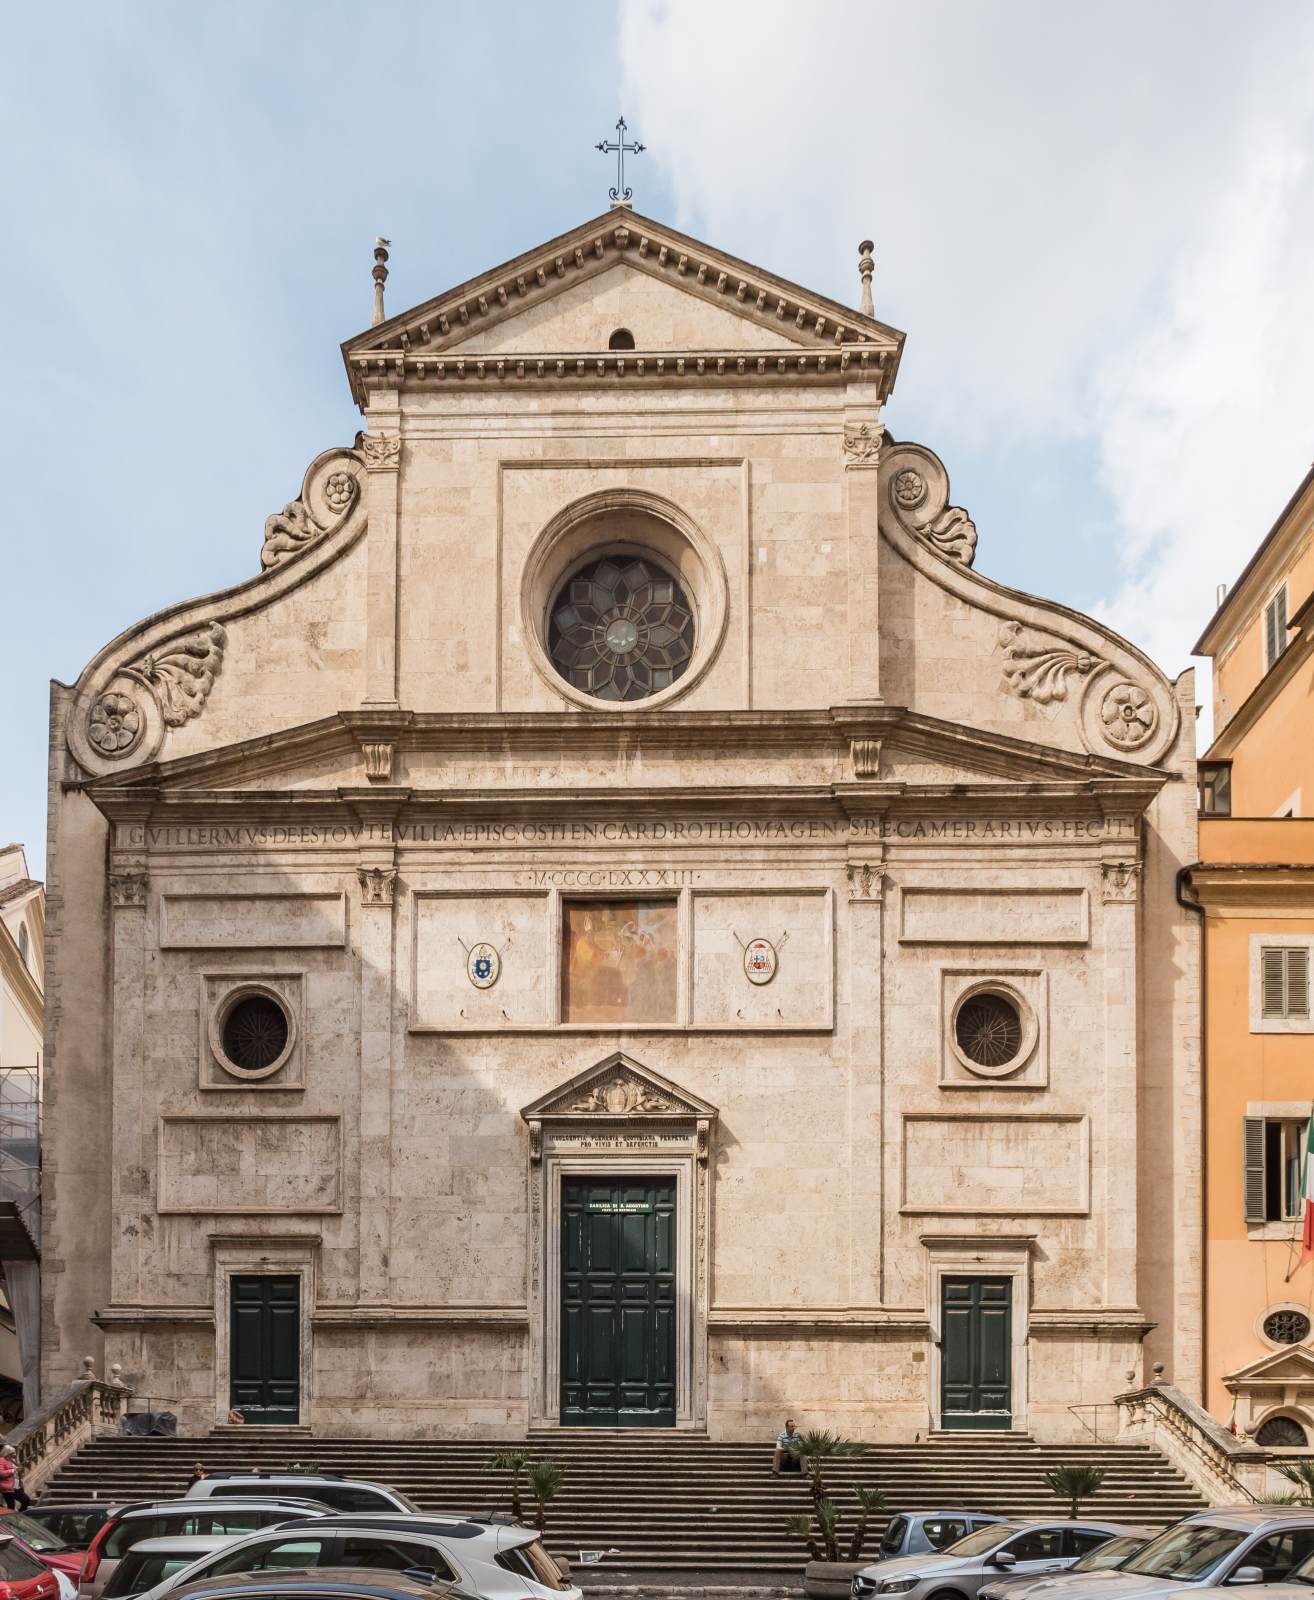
(787, 1441)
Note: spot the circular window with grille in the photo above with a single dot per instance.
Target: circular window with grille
(992, 1030)
(252, 1033)
(1287, 1326)
(621, 628)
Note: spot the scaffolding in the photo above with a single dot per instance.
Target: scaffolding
(20, 1162)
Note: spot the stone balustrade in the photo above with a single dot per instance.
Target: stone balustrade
(1225, 1468)
(71, 1418)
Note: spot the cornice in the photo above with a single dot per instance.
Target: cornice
(869, 1321)
(1258, 575)
(19, 982)
(1251, 710)
(1263, 886)
(807, 321)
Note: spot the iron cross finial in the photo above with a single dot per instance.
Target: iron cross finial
(621, 150)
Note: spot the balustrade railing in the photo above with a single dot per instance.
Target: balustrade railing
(70, 1419)
(1223, 1467)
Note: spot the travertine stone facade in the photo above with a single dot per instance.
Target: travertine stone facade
(337, 787)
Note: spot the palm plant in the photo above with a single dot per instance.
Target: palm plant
(1075, 1484)
(1301, 1473)
(514, 1462)
(817, 1450)
(544, 1481)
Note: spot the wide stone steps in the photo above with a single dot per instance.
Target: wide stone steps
(668, 1503)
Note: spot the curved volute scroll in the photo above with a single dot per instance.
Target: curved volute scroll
(159, 674)
(1049, 657)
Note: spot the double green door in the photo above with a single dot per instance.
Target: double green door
(976, 1353)
(618, 1302)
(264, 1347)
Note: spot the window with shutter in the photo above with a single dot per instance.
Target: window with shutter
(1275, 626)
(1284, 975)
(1253, 1158)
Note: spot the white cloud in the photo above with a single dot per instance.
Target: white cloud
(1095, 224)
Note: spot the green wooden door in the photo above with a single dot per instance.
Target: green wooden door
(618, 1302)
(976, 1353)
(264, 1347)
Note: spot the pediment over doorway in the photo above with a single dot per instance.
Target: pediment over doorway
(1295, 1364)
(619, 1093)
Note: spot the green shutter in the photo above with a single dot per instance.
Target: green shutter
(1253, 1160)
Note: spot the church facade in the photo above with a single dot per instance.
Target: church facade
(618, 922)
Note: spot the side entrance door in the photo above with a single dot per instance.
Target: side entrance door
(618, 1302)
(976, 1353)
(264, 1347)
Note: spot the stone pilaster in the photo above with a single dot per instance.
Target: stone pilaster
(133, 1116)
(864, 915)
(861, 445)
(382, 451)
(1119, 892)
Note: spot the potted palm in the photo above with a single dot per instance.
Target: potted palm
(1075, 1484)
(832, 1558)
(512, 1462)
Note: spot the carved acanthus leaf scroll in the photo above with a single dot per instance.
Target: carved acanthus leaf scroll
(290, 530)
(1037, 667)
(181, 673)
(953, 534)
(917, 488)
(620, 1097)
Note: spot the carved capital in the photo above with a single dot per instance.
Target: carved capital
(128, 890)
(376, 885)
(378, 760)
(866, 757)
(382, 453)
(703, 1147)
(862, 445)
(1121, 881)
(535, 1143)
(866, 881)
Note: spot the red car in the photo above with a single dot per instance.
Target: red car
(23, 1576)
(34, 1537)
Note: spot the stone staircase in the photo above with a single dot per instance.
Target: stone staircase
(667, 1503)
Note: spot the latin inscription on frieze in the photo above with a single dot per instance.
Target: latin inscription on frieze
(723, 831)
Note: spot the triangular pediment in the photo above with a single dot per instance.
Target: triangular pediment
(618, 1089)
(1293, 1364)
(567, 296)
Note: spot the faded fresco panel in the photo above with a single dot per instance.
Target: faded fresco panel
(619, 961)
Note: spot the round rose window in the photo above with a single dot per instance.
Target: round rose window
(621, 628)
(988, 1030)
(1286, 1326)
(255, 1033)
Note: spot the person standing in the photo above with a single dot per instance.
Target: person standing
(11, 1485)
(198, 1472)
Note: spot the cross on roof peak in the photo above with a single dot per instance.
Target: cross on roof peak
(620, 195)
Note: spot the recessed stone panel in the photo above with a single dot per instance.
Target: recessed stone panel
(447, 987)
(994, 916)
(793, 988)
(252, 921)
(981, 1165)
(228, 1166)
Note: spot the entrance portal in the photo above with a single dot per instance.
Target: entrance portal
(976, 1386)
(265, 1347)
(618, 1302)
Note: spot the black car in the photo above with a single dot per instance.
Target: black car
(75, 1526)
(319, 1583)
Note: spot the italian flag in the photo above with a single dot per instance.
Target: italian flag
(1307, 1196)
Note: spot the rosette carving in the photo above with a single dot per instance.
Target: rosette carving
(916, 489)
(1037, 667)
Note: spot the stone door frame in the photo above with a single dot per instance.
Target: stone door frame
(986, 1256)
(250, 1256)
(619, 1120)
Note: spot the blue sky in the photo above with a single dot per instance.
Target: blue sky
(1094, 223)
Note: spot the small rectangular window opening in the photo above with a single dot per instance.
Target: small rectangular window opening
(1275, 627)
(1215, 788)
(1285, 981)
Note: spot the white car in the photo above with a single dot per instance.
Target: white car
(150, 1564)
(343, 1494)
(481, 1560)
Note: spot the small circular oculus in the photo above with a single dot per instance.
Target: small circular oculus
(988, 1030)
(483, 966)
(255, 1034)
(621, 628)
(760, 961)
(1287, 1326)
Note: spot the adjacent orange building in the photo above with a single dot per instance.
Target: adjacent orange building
(1254, 884)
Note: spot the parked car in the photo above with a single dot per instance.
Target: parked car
(910, 1533)
(1232, 1545)
(1101, 1559)
(999, 1548)
(156, 1519)
(47, 1546)
(74, 1526)
(23, 1574)
(493, 1560)
(153, 1560)
(1295, 1586)
(324, 1583)
(342, 1494)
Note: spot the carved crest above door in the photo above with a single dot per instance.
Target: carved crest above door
(618, 1093)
